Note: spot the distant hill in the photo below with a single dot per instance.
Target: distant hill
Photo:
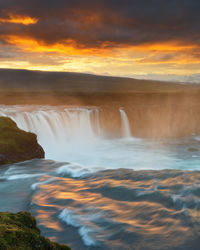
(39, 81)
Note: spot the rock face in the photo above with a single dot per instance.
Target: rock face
(17, 145)
(19, 231)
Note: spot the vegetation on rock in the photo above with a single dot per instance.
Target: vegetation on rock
(19, 232)
(17, 145)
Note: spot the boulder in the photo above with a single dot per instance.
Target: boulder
(17, 145)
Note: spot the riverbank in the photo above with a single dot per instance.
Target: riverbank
(19, 231)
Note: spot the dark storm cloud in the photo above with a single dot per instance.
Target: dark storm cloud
(113, 22)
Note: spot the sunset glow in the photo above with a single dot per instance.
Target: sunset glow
(26, 20)
(99, 38)
(100, 124)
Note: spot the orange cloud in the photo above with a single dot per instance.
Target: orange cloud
(121, 56)
(69, 47)
(26, 20)
(182, 61)
(172, 46)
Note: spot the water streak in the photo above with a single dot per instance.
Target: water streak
(126, 130)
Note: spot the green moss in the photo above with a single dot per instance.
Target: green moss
(16, 144)
(12, 138)
(19, 232)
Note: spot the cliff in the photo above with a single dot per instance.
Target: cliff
(17, 145)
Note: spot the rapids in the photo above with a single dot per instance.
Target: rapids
(94, 191)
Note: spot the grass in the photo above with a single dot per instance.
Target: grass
(19, 232)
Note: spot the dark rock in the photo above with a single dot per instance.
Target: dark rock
(19, 231)
(17, 145)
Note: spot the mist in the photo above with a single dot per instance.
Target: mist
(154, 109)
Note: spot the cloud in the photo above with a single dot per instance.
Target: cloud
(127, 37)
(106, 23)
(12, 18)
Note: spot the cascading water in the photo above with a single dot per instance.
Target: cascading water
(126, 130)
(58, 129)
(62, 124)
(98, 208)
(76, 135)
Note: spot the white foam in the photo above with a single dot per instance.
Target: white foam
(70, 218)
(80, 221)
(35, 185)
(75, 170)
(85, 235)
(22, 176)
(14, 170)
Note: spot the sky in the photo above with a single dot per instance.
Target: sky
(136, 38)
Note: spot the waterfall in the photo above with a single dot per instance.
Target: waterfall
(63, 132)
(58, 129)
(60, 123)
(126, 131)
(70, 123)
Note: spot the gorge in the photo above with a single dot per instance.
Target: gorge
(120, 169)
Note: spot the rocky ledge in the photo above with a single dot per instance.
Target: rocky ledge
(17, 145)
(19, 231)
